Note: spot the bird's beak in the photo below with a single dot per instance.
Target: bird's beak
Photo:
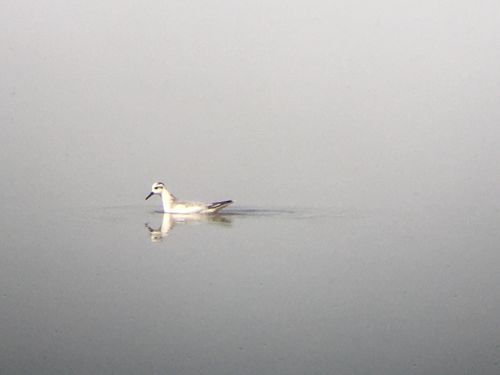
(149, 196)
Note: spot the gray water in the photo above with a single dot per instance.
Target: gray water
(360, 143)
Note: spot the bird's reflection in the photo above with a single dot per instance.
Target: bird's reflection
(169, 221)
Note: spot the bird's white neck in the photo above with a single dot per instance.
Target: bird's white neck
(167, 200)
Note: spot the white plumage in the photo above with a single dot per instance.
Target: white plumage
(174, 206)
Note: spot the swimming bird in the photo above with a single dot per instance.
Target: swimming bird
(174, 206)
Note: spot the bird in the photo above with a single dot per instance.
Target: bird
(174, 206)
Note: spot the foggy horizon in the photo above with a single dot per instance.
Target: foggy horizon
(356, 139)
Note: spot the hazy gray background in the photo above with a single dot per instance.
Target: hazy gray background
(385, 113)
(270, 102)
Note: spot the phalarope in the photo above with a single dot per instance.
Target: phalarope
(173, 206)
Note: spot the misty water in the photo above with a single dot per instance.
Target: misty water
(360, 144)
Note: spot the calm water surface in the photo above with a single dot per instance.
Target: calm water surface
(360, 142)
(255, 291)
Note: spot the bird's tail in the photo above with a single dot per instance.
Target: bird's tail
(216, 206)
